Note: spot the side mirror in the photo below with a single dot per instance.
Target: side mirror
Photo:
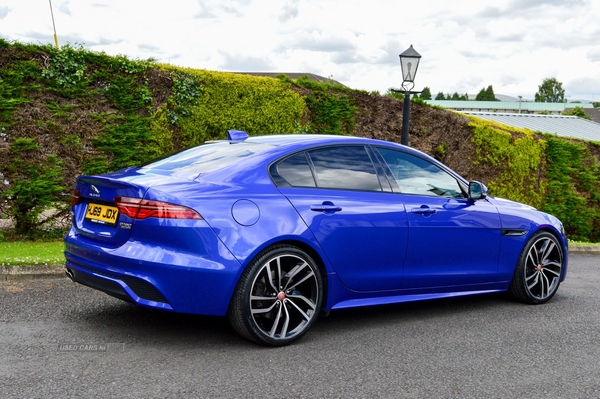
(477, 190)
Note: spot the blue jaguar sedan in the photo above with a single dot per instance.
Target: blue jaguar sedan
(272, 231)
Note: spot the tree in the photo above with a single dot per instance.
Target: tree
(455, 96)
(486, 95)
(577, 111)
(550, 91)
(440, 96)
(426, 93)
(481, 96)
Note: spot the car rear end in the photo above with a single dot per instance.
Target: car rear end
(134, 240)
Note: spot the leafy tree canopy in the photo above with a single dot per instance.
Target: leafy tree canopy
(486, 94)
(550, 91)
(577, 111)
(440, 96)
(426, 93)
(458, 97)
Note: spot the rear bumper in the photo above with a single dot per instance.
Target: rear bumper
(200, 282)
(130, 289)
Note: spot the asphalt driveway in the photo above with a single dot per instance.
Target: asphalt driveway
(60, 340)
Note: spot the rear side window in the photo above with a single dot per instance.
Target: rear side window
(348, 167)
(344, 167)
(296, 171)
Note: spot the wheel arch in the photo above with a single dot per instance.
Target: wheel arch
(310, 251)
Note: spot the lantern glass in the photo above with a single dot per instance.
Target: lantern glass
(409, 62)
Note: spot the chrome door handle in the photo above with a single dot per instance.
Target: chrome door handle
(423, 211)
(325, 207)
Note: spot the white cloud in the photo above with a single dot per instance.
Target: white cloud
(465, 44)
(594, 54)
(4, 11)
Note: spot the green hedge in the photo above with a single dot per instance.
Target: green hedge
(518, 157)
(557, 175)
(257, 105)
(574, 187)
(104, 113)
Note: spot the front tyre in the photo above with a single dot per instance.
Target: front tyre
(278, 297)
(538, 271)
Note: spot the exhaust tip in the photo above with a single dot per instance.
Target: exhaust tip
(69, 274)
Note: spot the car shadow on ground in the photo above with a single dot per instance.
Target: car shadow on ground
(126, 321)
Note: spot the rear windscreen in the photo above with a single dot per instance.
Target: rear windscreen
(206, 157)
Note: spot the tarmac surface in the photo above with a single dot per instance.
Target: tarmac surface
(65, 340)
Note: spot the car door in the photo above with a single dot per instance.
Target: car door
(452, 240)
(347, 202)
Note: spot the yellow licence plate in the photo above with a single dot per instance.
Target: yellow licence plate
(102, 214)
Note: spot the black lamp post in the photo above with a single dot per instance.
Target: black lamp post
(409, 62)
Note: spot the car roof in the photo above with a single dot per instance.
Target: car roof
(306, 139)
(282, 143)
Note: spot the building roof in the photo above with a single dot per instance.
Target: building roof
(564, 126)
(499, 106)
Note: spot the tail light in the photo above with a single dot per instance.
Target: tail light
(138, 208)
(75, 198)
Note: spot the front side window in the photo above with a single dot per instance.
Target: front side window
(415, 175)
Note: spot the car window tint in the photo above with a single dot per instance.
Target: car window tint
(347, 167)
(415, 175)
(296, 171)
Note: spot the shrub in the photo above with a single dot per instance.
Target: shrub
(33, 187)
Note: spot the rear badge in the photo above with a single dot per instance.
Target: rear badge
(126, 226)
(96, 192)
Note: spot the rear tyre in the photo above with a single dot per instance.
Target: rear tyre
(538, 271)
(278, 298)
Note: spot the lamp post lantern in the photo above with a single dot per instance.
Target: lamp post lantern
(409, 62)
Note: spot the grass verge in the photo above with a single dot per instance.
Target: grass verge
(31, 253)
(587, 244)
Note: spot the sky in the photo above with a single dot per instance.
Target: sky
(466, 45)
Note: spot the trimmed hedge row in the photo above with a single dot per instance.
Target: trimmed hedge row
(226, 100)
